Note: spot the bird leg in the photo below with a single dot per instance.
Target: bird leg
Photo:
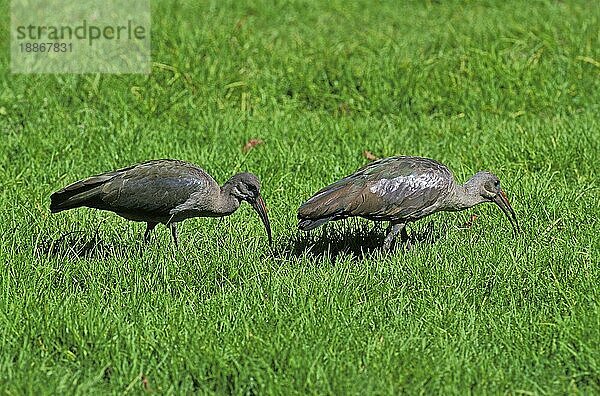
(405, 238)
(173, 227)
(149, 227)
(392, 231)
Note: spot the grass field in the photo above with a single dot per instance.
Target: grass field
(514, 88)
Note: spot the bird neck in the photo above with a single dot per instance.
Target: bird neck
(464, 197)
(227, 203)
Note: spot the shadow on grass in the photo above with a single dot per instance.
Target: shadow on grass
(79, 244)
(352, 238)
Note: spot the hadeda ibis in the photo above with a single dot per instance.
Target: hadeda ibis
(401, 190)
(163, 191)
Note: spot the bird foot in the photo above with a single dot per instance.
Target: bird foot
(406, 246)
(387, 246)
(390, 239)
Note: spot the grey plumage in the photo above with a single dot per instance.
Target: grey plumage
(400, 190)
(162, 191)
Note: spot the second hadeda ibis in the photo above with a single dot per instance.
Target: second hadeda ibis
(401, 190)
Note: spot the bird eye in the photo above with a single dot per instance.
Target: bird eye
(491, 186)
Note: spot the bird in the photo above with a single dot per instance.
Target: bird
(401, 190)
(165, 191)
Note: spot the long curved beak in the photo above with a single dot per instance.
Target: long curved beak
(502, 202)
(261, 209)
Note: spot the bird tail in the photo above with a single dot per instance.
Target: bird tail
(326, 205)
(87, 192)
(308, 224)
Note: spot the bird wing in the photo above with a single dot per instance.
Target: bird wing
(155, 187)
(388, 189)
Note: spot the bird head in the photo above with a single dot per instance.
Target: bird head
(246, 187)
(487, 186)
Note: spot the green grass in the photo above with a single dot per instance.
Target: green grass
(510, 87)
